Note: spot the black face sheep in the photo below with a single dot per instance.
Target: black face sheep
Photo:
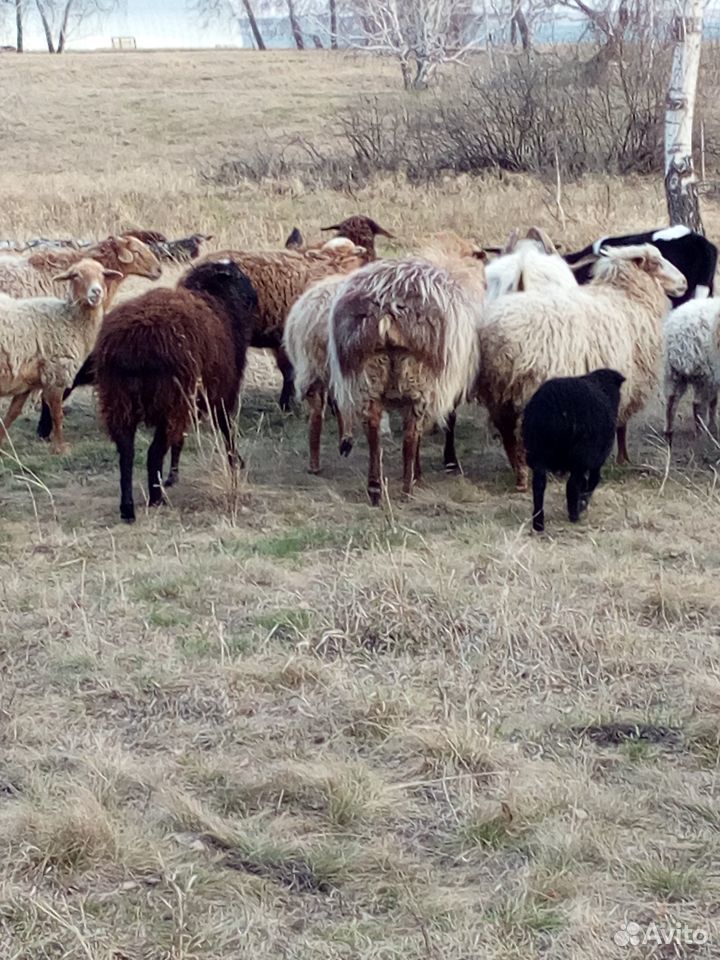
(166, 353)
(569, 427)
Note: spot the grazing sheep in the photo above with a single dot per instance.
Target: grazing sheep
(404, 334)
(44, 341)
(167, 353)
(305, 342)
(361, 230)
(615, 321)
(569, 427)
(279, 278)
(692, 358)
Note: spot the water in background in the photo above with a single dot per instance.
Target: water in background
(172, 23)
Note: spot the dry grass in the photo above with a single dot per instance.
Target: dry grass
(293, 726)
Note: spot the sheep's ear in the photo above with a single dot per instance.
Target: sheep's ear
(295, 240)
(539, 236)
(125, 254)
(335, 226)
(512, 241)
(112, 273)
(480, 254)
(68, 275)
(207, 237)
(379, 231)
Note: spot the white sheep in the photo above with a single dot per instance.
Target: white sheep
(615, 321)
(403, 334)
(526, 264)
(45, 340)
(692, 358)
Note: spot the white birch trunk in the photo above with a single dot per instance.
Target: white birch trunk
(680, 182)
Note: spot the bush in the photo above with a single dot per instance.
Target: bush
(528, 114)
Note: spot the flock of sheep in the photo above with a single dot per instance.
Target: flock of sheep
(363, 335)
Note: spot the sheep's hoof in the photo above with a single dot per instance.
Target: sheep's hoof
(668, 437)
(127, 514)
(521, 486)
(61, 449)
(346, 445)
(374, 495)
(452, 467)
(157, 500)
(538, 527)
(172, 478)
(314, 470)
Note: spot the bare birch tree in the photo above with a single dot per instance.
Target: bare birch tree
(680, 183)
(420, 34)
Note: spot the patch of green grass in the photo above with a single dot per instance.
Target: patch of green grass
(489, 833)
(669, 881)
(638, 751)
(166, 616)
(284, 624)
(162, 588)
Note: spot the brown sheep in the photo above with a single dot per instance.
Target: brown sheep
(279, 278)
(166, 353)
(360, 229)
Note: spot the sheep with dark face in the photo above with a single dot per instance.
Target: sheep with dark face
(569, 427)
(167, 353)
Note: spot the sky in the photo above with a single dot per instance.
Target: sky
(153, 23)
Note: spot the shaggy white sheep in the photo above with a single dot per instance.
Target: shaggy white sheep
(403, 334)
(615, 321)
(44, 341)
(692, 358)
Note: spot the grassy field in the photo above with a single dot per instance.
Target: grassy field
(274, 722)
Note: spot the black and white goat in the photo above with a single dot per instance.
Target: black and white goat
(690, 252)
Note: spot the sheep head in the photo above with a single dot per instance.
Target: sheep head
(87, 281)
(645, 257)
(137, 258)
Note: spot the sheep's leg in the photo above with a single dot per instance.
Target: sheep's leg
(622, 455)
(698, 410)
(14, 410)
(224, 422)
(345, 428)
(411, 443)
(712, 414)
(539, 482)
(155, 458)
(126, 454)
(450, 460)
(418, 468)
(507, 424)
(573, 491)
(316, 401)
(84, 377)
(54, 399)
(670, 410)
(288, 375)
(591, 481)
(174, 475)
(373, 416)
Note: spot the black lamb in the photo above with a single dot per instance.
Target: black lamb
(569, 427)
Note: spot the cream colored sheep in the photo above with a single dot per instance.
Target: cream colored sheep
(615, 321)
(526, 264)
(403, 334)
(305, 342)
(44, 341)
